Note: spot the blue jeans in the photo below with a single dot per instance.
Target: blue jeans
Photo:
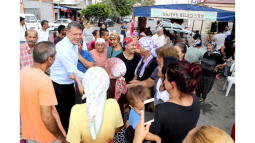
(22, 42)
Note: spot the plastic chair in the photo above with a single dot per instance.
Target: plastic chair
(230, 80)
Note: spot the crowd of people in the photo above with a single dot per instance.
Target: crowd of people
(85, 94)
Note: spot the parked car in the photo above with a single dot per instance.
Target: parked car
(151, 18)
(174, 27)
(30, 21)
(168, 20)
(126, 19)
(64, 22)
(107, 21)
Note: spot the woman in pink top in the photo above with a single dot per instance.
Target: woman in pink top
(92, 44)
(135, 35)
(99, 54)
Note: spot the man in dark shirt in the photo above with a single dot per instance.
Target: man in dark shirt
(62, 33)
(198, 35)
(123, 30)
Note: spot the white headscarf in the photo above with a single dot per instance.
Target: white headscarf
(95, 83)
(100, 40)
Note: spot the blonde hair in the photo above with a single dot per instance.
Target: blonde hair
(167, 51)
(210, 134)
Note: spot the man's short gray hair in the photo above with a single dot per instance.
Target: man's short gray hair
(159, 28)
(42, 51)
(74, 24)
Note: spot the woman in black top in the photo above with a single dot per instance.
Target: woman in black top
(176, 117)
(148, 62)
(210, 63)
(130, 58)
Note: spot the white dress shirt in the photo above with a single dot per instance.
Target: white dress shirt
(65, 63)
(22, 33)
(42, 35)
(160, 40)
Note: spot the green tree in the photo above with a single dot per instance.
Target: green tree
(120, 7)
(97, 10)
(112, 6)
(146, 2)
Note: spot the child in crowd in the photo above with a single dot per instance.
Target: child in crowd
(136, 96)
(54, 36)
(221, 69)
(104, 33)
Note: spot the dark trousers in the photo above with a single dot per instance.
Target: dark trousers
(65, 95)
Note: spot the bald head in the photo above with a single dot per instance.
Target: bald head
(31, 32)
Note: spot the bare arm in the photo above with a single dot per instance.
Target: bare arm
(168, 40)
(90, 48)
(222, 49)
(51, 124)
(77, 80)
(147, 83)
(221, 65)
(152, 137)
(117, 130)
(138, 51)
(49, 39)
(86, 63)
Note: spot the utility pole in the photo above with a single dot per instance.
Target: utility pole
(41, 9)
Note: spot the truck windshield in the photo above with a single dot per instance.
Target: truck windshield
(30, 19)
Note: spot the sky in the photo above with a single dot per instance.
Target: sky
(162, 2)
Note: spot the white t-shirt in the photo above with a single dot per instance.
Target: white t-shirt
(22, 33)
(160, 40)
(42, 35)
(219, 40)
(227, 33)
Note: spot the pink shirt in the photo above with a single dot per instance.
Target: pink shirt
(99, 59)
(53, 39)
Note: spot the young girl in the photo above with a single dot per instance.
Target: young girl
(221, 69)
(54, 36)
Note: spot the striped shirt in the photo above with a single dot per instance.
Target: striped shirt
(26, 56)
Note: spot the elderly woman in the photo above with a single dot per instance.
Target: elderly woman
(148, 62)
(130, 58)
(181, 48)
(176, 117)
(135, 35)
(115, 49)
(116, 69)
(210, 63)
(99, 54)
(99, 119)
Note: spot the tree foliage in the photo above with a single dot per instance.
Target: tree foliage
(146, 2)
(120, 7)
(97, 10)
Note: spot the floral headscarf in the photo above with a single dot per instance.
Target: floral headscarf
(115, 35)
(150, 45)
(118, 69)
(197, 42)
(128, 40)
(135, 34)
(95, 83)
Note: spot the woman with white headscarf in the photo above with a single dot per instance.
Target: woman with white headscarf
(99, 54)
(148, 62)
(97, 120)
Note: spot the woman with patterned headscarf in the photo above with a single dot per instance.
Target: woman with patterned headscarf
(116, 69)
(210, 63)
(115, 49)
(148, 62)
(97, 120)
(135, 35)
(130, 58)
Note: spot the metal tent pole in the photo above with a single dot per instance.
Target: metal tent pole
(201, 27)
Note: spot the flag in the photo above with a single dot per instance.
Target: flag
(132, 25)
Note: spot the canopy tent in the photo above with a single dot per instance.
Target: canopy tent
(67, 7)
(222, 15)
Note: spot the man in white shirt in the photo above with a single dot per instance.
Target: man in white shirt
(219, 40)
(226, 32)
(43, 34)
(22, 30)
(159, 38)
(66, 64)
